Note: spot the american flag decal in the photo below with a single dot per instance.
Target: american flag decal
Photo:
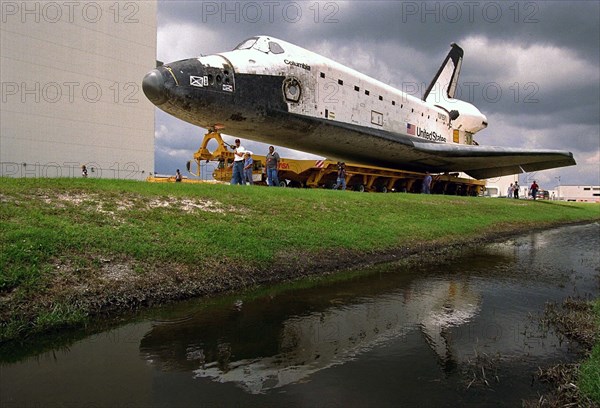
(410, 129)
(319, 163)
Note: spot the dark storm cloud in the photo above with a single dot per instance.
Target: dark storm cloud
(429, 25)
(577, 106)
(433, 25)
(573, 25)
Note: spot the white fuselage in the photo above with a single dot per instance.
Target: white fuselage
(335, 92)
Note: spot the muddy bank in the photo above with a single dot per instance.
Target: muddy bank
(100, 286)
(576, 321)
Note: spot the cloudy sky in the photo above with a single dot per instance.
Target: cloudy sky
(533, 68)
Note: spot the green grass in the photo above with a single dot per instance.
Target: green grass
(48, 226)
(38, 223)
(589, 371)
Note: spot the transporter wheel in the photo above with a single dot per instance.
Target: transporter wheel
(282, 183)
(360, 188)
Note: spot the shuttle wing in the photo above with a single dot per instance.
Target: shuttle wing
(359, 144)
(492, 161)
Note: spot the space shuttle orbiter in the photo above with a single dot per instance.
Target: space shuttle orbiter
(274, 92)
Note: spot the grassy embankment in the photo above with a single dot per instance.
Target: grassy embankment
(589, 370)
(74, 248)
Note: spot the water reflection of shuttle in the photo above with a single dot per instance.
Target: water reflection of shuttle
(287, 347)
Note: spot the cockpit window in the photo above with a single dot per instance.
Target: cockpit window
(275, 48)
(246, 44)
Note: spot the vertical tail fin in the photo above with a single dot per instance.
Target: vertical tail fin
(443, 85)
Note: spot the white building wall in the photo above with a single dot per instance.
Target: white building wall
(579, 193)
(71, 88)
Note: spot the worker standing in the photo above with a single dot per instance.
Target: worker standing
(426, 184)
(341, 176)
(237, 177)
(248, 164)
(272, 165)
(534, 189)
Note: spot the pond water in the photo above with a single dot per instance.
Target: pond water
(461, 333)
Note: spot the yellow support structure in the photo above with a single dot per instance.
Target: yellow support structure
(323, 173)
(203, 154)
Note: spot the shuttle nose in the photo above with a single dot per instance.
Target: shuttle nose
(153, 85)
